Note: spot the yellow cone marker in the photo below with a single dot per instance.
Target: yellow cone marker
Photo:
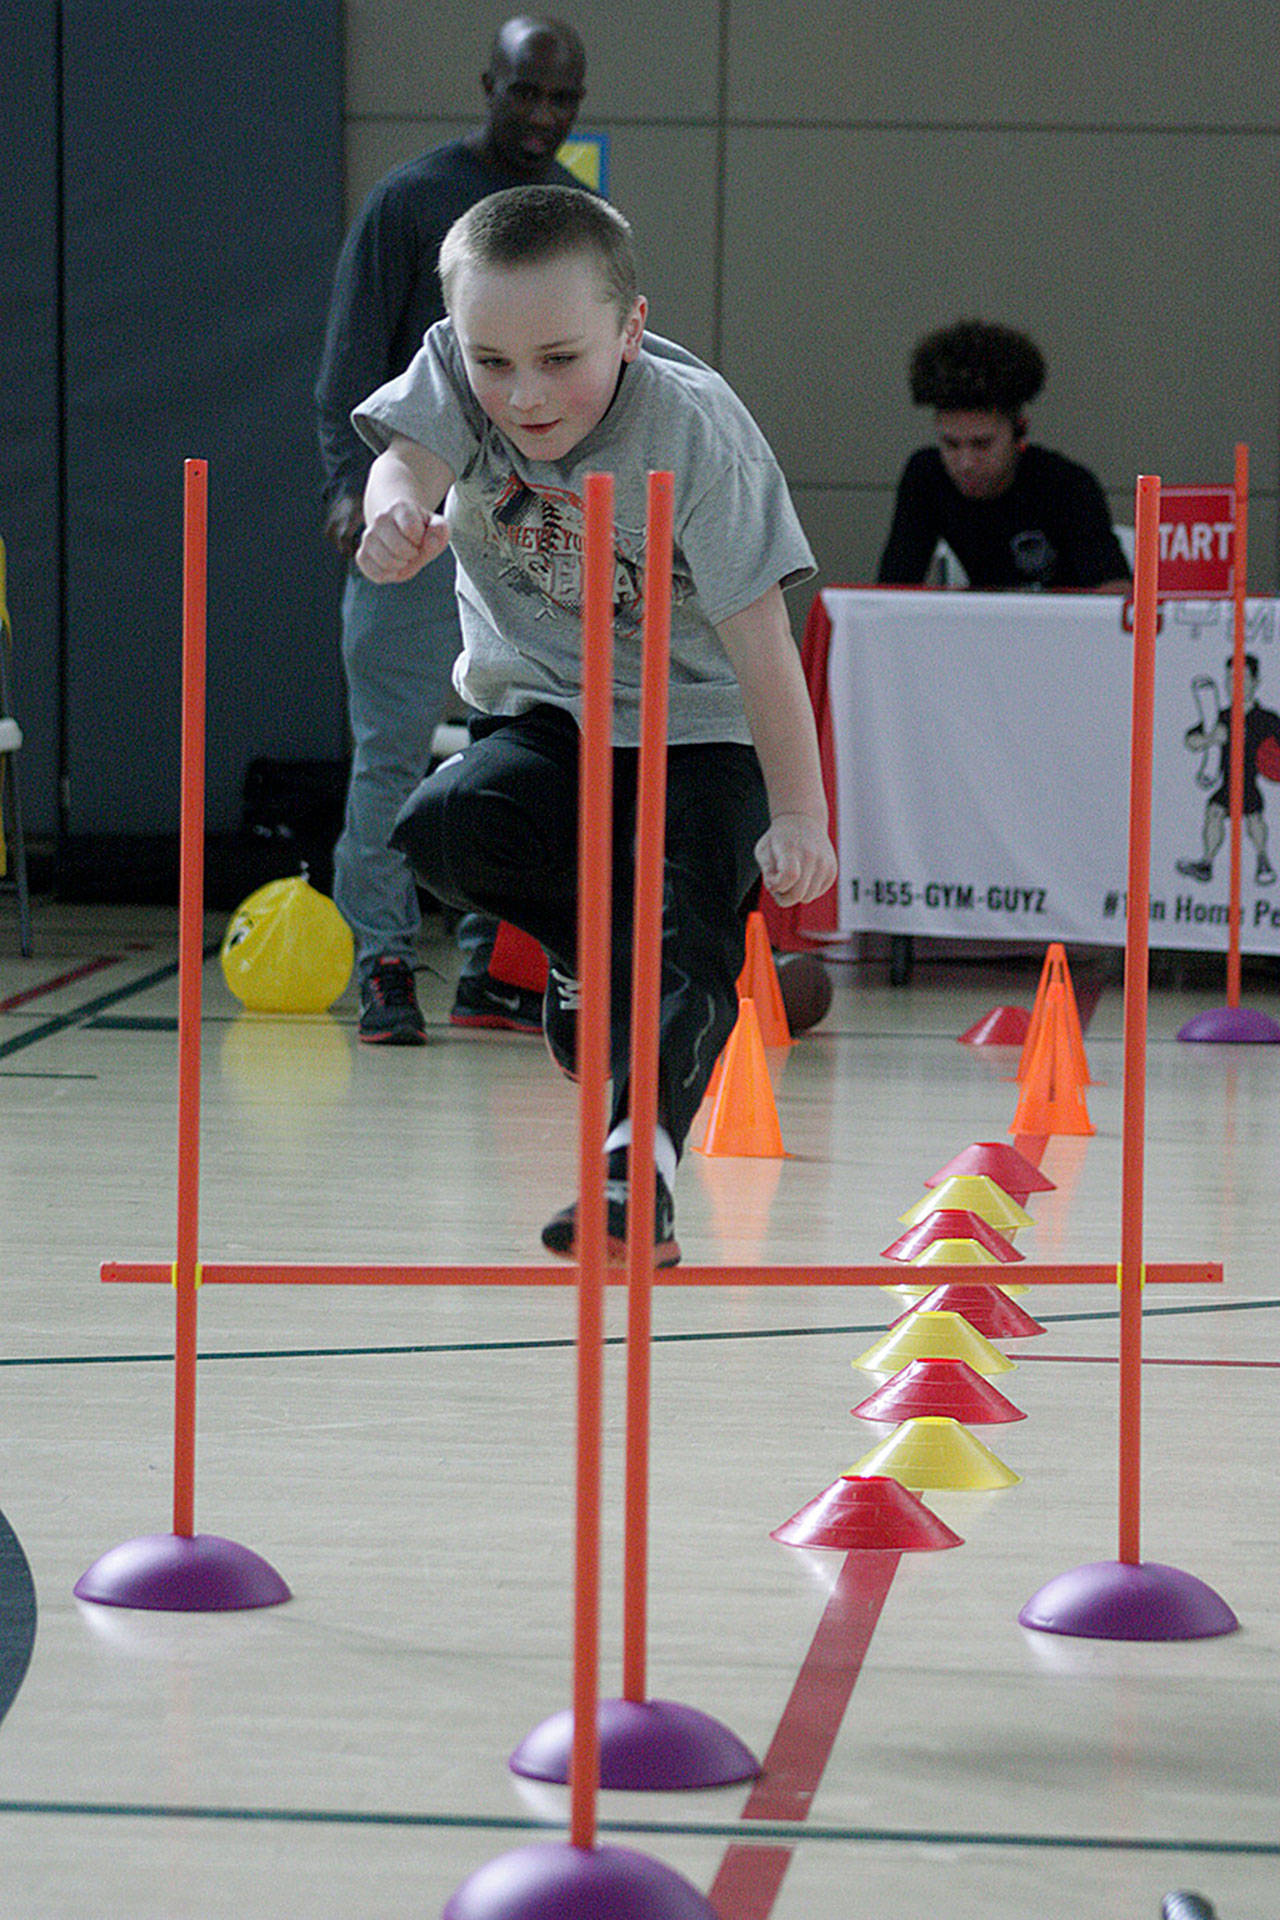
(979, 1193)
(933, 1451)
(933, 1336)
(954, 1253)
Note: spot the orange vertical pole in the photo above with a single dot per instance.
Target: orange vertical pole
(1235, 767)
(1137, 930)
(595, 868)
(190, 962)
(651, 812)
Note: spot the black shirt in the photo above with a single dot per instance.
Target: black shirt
(1051, 527)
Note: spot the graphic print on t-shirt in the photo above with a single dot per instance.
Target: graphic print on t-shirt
(538, 534)
(1033, 554)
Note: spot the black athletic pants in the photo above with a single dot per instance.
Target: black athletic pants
(495, 830)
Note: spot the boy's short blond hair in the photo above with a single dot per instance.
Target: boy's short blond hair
(528, 226)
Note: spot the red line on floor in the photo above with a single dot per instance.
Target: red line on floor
(750, 1877)
(62, 980)
(1109, 1360)
(749, 1881)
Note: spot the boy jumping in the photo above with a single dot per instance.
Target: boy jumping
(542, 373)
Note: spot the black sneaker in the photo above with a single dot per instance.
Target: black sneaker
(389, 1012)
(560, 1005)
(482, 1001)
(1196, 869)
(560, 1234)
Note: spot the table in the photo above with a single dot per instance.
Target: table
(976, 755)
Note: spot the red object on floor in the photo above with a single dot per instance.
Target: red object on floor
(946, 1388)
(951, 1223)
(987, 1308)
(1001, 1163)
(517, 959)
(867, 1513)
(1002, 1027)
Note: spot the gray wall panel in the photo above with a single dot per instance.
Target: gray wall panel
(846, 528)
(653, 63)
(664, 181)
(972, 63)
(1151, 303)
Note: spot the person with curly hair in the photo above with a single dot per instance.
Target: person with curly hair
(1015, 515)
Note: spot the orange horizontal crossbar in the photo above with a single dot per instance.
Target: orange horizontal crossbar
(255, 1273)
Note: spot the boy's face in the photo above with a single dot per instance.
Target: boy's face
(979, 451)
(543, 348)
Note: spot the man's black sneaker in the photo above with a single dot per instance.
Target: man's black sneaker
(389, 1012)
(1196, 869)
(482, 1001)
(560, 1234)
(560, 1005)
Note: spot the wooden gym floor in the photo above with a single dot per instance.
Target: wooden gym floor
(404, 1458)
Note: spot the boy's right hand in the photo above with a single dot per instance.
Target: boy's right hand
(796, 859)
(400, 542)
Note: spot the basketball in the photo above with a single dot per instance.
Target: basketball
(806, 990)
(1269, 758)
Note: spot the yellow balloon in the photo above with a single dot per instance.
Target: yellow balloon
(287, 949)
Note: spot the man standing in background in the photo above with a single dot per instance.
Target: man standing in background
(399, 643)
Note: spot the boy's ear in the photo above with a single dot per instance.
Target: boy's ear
(633, 329)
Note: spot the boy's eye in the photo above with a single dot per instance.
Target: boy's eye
(560, 359)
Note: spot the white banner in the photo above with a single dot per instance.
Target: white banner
(982, 757)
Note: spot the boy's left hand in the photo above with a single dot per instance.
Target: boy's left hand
(796, 859)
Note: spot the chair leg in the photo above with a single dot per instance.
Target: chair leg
(19, 845)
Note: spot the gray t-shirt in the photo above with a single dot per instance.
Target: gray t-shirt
(516, 528)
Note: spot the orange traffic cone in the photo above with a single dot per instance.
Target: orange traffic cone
(1032, 1035)
(744, 1119)
(1055, 968)
(758, 982)
(1075, 1032)
(1052, 1100)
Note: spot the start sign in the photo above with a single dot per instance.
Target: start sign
(1197, 541)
